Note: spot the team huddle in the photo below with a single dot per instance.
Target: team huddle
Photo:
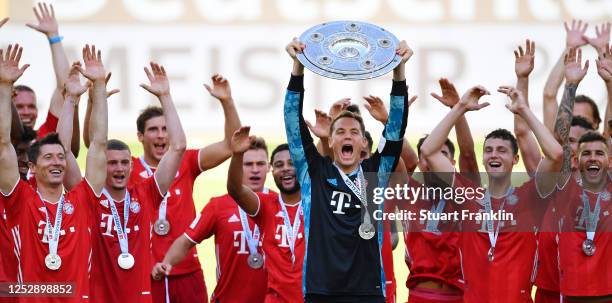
(126, 230)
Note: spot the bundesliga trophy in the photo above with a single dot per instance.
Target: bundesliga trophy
(349, 50)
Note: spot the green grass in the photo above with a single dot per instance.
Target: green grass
(212, 183)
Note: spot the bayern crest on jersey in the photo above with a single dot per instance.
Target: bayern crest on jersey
(68, 208)
(135, 207)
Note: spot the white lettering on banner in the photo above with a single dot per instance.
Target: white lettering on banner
(418, 10)
(156, 10)
(229, 10)
(354, 10)
(75, 9)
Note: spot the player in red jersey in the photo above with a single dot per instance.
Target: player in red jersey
(49, 227)
(234, 240)
(585, 238)
(178, 211)
(120, 229)
(497, 267)
(280, 218)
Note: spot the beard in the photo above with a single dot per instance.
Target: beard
(287, 191)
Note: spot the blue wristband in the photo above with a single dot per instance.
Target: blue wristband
(56, 39)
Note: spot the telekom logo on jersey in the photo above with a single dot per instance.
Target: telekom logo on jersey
(281, 234)
(108, 223)
(341, 200)
(43, 230)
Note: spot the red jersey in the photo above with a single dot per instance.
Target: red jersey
(109, 282)
(431, 255)
(49, 126)
(581, 275)
(387, 258)
(236, 281)
(27, 220)
(509, 277)
(284, 276)
(180, 209)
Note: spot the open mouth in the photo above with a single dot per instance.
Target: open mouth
(254, 179)
(495, 164)
(159, 147)
(55, 172)
(593, 169)
(119, 178)
(287, 180)
(347, 150)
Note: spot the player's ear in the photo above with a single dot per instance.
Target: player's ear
(140, 136)
(32, 167)
(515, 161)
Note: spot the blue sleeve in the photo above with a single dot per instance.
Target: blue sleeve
(301, 145)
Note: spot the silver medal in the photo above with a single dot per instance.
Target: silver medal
(53, 262)
(125, 261)
(588, 247)
(491, 254)
(366, 231)
(162, 227)
(255, 260)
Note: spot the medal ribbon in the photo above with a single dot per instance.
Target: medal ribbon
(359, 189)
(164, 203)
(292, 232)
(493, 235)
(252, 238)
(592, 218)
(53, 231)
(432, 225)
(121, 232)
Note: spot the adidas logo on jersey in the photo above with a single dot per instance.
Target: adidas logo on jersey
(233, 218)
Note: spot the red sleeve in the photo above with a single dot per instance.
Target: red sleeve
(49, 126)
(16, 200)
(203, 226)
(191, 163)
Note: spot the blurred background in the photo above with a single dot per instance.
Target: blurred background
(468, 41)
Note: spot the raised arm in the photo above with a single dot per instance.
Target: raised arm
(553, 153)
(604, 69)
(301, 146)
(432, 145)
(88, 109)
(467, 156)
(523, 65)
(95, 169)
(243, 195)
(214, 154)
(47, 25)
(72, 92)
(9, 73)
(602, 38)
(574, 38)
(16, 125)
(321, 129)
(574, 73)
(171, 161)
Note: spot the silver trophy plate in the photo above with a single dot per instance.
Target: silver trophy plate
(349, 50)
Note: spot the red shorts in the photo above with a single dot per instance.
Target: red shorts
(422, 295)
(185, 288)
(547, 296)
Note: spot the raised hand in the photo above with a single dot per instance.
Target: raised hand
(470, 99)
(602, 37)
(404, 50)
(4, 21)
(338, 107)
(94, 69)
(449, 97)
(604, 64)
(574, 72)
(322, 127)
(9, 64)
(73, 86)
(159, 85)
(47, 24)
(524, 60)
(220, 89)
(160, 270)
(377, 109)
(295, 47)
(575, 34)
(518, 100)
(241, 141)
